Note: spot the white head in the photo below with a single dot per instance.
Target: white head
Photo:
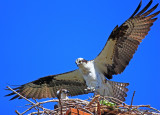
(63, 93)
(80, 61)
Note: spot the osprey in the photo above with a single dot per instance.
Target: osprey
(95, 75)
(61, 94)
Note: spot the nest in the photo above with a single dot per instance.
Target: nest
(98, 105)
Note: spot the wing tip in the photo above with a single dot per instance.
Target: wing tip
(137, 9)
(144, 9)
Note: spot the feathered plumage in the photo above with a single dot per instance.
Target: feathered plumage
(113, 59)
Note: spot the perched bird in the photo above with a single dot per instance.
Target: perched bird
(95, 75)
(61, 94)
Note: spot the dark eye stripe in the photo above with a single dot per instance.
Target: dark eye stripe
(84, 60)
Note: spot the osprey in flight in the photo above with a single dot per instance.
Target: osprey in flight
(94, 75)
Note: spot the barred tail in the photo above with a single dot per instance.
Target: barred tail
(119, 90)
(113, 89)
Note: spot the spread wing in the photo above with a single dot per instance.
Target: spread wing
(124, 41)
(46, 87)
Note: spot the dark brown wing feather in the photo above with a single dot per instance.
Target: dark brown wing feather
(46, 87)
(124, 41)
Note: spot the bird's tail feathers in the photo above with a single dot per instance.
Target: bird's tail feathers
(118, 90)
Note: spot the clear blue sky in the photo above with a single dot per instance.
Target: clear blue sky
(40, 38)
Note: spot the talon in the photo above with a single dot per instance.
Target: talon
(90, 90)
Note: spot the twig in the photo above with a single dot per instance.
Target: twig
(132, 99)
(87, 111)
(60, 100)
(40, 112)
(52, 100)
(28, 109)
(98, 108)
(134, 106)
(35, 100)
(17, 112)
(93, 100)
(154, 109)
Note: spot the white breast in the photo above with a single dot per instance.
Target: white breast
(90, 74)
(95, 79)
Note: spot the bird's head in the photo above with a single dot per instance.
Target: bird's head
(80, 61)
(63, 93)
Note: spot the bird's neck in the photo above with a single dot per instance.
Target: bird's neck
(64, 96)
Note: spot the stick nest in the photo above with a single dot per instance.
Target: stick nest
(97, 105)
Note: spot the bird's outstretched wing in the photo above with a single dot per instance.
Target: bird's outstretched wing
(124, 41)
(46, 87)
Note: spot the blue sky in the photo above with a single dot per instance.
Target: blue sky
(40, 38)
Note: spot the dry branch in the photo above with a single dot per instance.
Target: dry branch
(92, 107)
